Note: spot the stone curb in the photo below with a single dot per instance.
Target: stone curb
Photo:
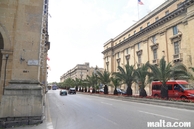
(182, 105)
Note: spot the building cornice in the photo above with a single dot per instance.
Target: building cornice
(175, 13)
(150, 15)
(160, 22)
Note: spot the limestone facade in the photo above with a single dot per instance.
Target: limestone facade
(80, 71)
(166, 31)
(24, 40)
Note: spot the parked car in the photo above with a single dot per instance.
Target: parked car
(63, 92)
(101, 91)
(72, 91)
(176, 89)
(121, 91)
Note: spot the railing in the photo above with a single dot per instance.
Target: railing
(178, 57)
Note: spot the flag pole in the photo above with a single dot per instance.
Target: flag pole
(138, 11)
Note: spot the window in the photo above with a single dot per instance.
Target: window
(107, 58)
(127, 51)
(176, 47)
(177, 87)
(156, 87)
(119, 41)
(118, 55)
(167, 12)
(129, 35)
(156, 19)
(155, 54)
(169, 87)
(148, 23)
(141, 28)
(123, 38)
(175, 30)
(138, 46)
(139, 59)
(154, 39)
(134, 31)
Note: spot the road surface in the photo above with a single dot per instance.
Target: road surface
(91, 112)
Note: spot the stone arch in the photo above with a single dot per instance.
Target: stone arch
(5, 48)
(1, 54)
(5, 37)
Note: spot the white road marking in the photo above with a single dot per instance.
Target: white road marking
(106, 103)
(159, 115)
(49, 125)
(108, 120)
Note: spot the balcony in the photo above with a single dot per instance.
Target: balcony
(139, 52)
(156, 62)
(139, 64)
(178, 57)
(127, 56)
(154, 46)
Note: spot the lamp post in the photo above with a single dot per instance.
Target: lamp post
(6, 58)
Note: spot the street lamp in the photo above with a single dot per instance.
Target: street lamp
(6, 58)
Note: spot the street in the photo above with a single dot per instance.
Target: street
(89, 112)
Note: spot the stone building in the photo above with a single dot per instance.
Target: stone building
(166, 31)
(24, 42)
(80, 71)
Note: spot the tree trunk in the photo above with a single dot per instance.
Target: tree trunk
(129, 90)
(164, 92)
(105, 89)
(85, 89)
(115, 92)
(142, 92)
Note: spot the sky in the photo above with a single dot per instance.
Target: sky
(78, 30)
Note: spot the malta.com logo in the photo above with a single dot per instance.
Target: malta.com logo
(163, 123)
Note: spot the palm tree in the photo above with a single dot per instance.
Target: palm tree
(92, 81)
(142, 78)
(85, 84)
(69, 82)
(104, 78)
(115, 82)
(127, 76)
(190, 74)
(88, 82)
(165, 72)
(78, 82)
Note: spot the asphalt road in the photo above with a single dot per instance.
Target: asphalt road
(89, 112)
